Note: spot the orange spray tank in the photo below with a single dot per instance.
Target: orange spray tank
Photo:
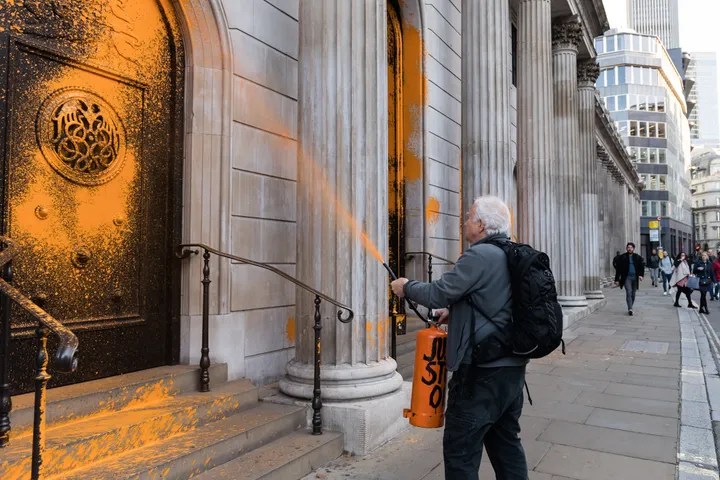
(427, 401)
(427, 404)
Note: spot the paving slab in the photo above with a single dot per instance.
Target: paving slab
(629, 404)
(634, 422)
(584, 464)
(610, 440)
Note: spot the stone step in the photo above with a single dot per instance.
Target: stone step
(290, 457)
(111, 394)
(194, 452)
(80, 442)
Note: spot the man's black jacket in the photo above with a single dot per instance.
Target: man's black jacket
(623, 264)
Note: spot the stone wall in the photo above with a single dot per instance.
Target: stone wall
(443, 128)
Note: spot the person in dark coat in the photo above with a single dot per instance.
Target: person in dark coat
(653, 264)
(629, 273)
(704, 271)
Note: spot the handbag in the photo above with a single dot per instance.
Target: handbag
(683, 282)
(693, 283)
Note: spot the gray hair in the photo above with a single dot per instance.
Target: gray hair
(493, 213)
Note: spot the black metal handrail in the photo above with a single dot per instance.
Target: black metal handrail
(185, 250)
(430, 259)
(65, 359)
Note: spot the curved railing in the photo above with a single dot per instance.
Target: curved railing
(430, 256)
(65, 359)
(185, 250)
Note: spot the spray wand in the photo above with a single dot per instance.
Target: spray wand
(413, 305)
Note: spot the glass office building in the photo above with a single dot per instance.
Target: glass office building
(643, 91)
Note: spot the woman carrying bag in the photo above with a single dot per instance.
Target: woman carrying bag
(704, 273)
(679, 280)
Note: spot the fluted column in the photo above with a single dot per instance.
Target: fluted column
(566, 38)
(588, 72)
(342, 183)
(487, 167)
(536, 211)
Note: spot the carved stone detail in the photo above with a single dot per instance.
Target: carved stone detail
(567, 34)
(588, 72)
(81, 136)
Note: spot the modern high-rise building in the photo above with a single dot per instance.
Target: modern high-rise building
(656, 17)
(705, 116)
(644, 93)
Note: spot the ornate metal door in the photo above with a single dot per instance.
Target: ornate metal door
(89, 97)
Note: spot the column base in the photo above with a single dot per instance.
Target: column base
(366, 424)
(342, 382)
(594, 295)
(572, 301)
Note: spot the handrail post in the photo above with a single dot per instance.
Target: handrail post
(41, 380)
(5, 399)
(317, 401)
(205, 350)
(429, 268)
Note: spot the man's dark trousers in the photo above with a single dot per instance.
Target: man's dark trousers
(630, 289)
(484, 407)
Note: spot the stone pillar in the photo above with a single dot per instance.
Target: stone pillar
(588, 72)
(566, 38)
(342, 215)
(487, 167)
(536, 208)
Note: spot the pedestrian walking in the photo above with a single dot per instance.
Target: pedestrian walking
(666, 269)
(653, 265)
(485, 400)
(703, 270)
(629, 273)
(679, 280)
(716, 285)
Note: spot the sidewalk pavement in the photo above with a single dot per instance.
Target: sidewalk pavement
(628, 401)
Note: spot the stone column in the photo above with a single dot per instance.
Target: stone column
(342, 214)
(536, 208)
(487, 167)
(566, 38)
(588, 72)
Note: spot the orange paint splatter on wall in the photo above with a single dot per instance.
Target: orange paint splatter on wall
(290, 330)
(432, 210)
(414, 99)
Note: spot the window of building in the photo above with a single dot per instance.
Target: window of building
(663, 209)
(622, 128)
(653, 182)
(653, 155)
(633, 128)
(662, 155)
(600, 45)
(611, 104)
(663, 182)
(610, 44)
(661, 130)
(611, 76)
(717, 216)
(644, 206)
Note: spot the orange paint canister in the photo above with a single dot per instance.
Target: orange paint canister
(427, 404)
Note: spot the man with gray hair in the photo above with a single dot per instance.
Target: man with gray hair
(485, 393)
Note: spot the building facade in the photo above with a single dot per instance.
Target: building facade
(644, 93)
(706, 196)
(705, 115)
(315, 136)
(656, 17)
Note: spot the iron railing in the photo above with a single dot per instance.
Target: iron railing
(430, 256)
(400, 327)
(185, 250)
(65, 359)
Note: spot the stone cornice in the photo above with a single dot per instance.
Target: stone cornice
(618, 160)
(568, 34)
(587, 73)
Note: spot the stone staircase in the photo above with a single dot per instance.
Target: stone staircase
(154, 424)
(406, 348)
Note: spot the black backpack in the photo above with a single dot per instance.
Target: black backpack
(537, 318)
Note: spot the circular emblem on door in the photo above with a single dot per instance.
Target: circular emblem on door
(81, 136)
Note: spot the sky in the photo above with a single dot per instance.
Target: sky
(698, 23)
